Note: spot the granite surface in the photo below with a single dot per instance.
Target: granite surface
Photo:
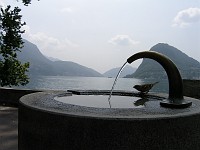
(45, 123)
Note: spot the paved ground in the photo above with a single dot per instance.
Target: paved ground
(8, 128)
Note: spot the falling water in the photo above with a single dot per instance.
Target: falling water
(111, 91)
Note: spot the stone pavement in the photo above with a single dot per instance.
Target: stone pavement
(8, 128)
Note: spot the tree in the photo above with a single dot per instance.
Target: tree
(26, 2)
(12, 71)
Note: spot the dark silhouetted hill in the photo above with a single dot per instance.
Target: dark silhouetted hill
(189, 68)
(40, 65)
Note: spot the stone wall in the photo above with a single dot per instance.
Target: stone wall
(10, 96)
(191, 88)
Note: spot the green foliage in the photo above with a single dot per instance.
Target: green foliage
(26, 2)
(12, 71)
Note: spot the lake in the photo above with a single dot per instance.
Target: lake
(90, 83)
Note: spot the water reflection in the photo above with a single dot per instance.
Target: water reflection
(140, 102)
(100, 101)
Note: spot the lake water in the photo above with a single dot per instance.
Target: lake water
(91, 83)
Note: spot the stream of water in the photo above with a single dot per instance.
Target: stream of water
(115, 83)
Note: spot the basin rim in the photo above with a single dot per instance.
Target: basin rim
(45, 102)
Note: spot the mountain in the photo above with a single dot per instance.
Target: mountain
(40, 65)
(52, 59)
(113, 72)
(188, 67)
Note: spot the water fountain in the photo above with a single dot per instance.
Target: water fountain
(153, 121)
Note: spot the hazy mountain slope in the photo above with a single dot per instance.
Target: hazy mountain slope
(188, 67)
(126, 71)
(67, 68)
(53, 59)
(40, 65)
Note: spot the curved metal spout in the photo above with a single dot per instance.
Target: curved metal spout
(175, 98)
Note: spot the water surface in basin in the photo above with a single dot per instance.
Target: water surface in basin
(101, 101)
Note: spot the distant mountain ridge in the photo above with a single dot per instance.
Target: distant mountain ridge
(52, 59)
(113, 72)
(189, 68)
(41, 65)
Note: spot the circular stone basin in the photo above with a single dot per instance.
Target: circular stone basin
(48, 121)
(101, 101)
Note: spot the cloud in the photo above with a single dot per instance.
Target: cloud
(123, 40)
(187, 17)
(2, 4)
(47, 44)
(66, 10)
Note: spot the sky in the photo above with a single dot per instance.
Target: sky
(102, 34)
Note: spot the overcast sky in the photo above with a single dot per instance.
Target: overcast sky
(102, 34)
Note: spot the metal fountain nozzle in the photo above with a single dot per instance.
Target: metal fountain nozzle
(175, 98)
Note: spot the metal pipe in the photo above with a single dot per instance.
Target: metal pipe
(175, 98)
